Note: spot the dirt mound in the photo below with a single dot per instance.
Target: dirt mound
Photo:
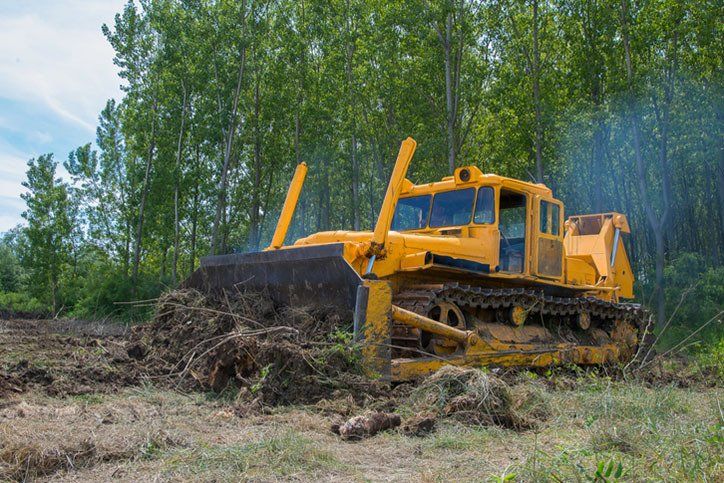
(245, 345)
(63, 357)
(474, 397)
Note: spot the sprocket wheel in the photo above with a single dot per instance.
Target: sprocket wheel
(450, 314)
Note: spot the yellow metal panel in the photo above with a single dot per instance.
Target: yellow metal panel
(376, 328)
(512, 355)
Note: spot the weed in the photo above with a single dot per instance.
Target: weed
(607, 471)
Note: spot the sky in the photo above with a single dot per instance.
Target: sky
(56, 74)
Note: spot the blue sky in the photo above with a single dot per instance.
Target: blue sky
(56, 73)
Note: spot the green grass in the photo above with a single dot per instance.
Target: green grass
(460, 437)
(282, 455)
(654, 434)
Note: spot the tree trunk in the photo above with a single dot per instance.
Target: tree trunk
(127, 250)
(54, 292)
(535, 68)
(179, 150)
(144, 195)
(355, 185)
(350, 50)
(298, 157)
(230, 131)
(194, 227)
(720, 189)
(446, 41)
(598, 160)
(254, 215)
(164, 260)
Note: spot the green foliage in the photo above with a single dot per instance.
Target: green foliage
(110, 293)
(50, 224)
(607, 471)
(22, 303)
(694, 295)
(9, 269)
(710, 356)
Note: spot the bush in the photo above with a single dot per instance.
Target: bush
(102, 291)
(17, 303)
(694, 295)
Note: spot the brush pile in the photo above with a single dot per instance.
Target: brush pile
(471, 396)
(243, 343)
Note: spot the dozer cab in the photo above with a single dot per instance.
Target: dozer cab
(474, 269)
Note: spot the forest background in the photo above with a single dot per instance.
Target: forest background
(615, 104)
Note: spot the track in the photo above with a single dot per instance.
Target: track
(517, 315)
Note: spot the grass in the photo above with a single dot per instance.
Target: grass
(654, 434)
(285, 454)
(145, 433)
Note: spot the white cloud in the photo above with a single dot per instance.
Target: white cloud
(56, 73)
(12, 174)
(54, 54)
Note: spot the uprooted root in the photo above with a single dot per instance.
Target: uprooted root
(241, 342)
(470, 396)
(364, 426)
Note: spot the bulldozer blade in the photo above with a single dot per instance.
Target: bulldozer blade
(305, 276)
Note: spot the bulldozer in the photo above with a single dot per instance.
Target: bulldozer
(475, 269)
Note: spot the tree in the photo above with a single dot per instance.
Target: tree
(9, 262)
(49, 227)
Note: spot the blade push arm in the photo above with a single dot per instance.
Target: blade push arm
(290, 204)
(407, 149)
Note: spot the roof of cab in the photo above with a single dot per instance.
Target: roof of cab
(475, 178)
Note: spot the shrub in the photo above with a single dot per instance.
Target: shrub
(104, 289)
(694, 295)
(20, 303)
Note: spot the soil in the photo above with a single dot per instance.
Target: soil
(63, 357)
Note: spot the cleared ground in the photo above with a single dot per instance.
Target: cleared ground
(113, 425)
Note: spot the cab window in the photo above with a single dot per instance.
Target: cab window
(411, 213)
(485, 206)
(549, 218)
(452, 208)
(511, 225)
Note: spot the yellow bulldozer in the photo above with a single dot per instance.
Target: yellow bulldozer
(475, 269)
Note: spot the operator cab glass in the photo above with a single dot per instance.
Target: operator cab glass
(485, 206)
(411, 213)
(452, 208)
(512, 231)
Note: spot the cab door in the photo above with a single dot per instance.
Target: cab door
(547, 238)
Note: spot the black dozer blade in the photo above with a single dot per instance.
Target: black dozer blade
(301, 276)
